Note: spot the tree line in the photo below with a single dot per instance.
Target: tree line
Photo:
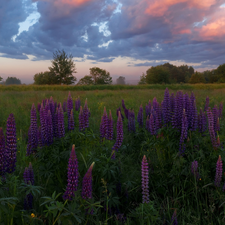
(170, 74)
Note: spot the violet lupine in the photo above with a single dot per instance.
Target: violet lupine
(43, 125)
(40, 143)
(87, 184)
(140, 116)
(49, 127)
(81, 120)
(147, 125)
(104, 125)
(71, 121)
(152, 125)
(55, 123)
(193, 118)
(131, 121)
(119, 135)
(125, 109)
(202, 122)
(206, 104)
(72, 176)
(86, 114)
(117, 113)
(61, 127)
(110, 126)
(172, 103)
(174, 218)
(211, 128)
(29, 149)
(215, 112)
(166, 107)
(69, 105)
(145, 178)
(194, 169)
(2, 152)
(219, 171)
(11, 146)
(184, 133)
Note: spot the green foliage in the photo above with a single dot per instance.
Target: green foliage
(197, 77)
(12, 80)
(100, 76)
(142, 79)
(220, 71)
(86, 80)
(120, 80)
(45, 78)
(158, 74)
(63, 67)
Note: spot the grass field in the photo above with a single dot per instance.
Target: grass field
(117, 193)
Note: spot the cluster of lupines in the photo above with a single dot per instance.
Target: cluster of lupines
(194, 169)
(184, 133)
(106, 126)
(145, 188)
(28, 177)
(211, 128)
(84, 117)
(219, 172)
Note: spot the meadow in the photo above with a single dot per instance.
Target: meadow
(174, 190)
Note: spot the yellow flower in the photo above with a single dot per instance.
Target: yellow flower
(18, 139)
(32, 215)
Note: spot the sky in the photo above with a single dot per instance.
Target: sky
(124, 37)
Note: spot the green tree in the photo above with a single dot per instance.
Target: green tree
(86, 80)
(197, 77)
(157, 74)
(213, 76)
(63, 67)
(100, 76)
(45, 78)
(142, 79)
(12, 80)
(120, 80)
(220, 71)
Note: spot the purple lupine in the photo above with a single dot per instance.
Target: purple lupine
(152, 125)
(81, 120)
(147, 125)
(72, 176)
(104, 125)
(144, 175)
(166, 107)
(69, 105)
(221, 110)
(119, 135)
(87, 184)
(202, 121)
(211, 128)
(61, 127)
(216, 123)
(110, 126)
(206, 104)
(140, 116)
(86, 114)
(125, 109)
(117, 113)
(43, 125)
(174, 218)
(29, 149)
(219, 171)
(11, 146)
(193, 118)
(49, 127)
(71, 121)
(55, 123)
(2, 152)
(194, 169)
(184, 133)
(131, 121)
(172, 103)
(40, 143)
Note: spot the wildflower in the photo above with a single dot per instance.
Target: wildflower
(174, 218)
(211, 127)
(219, 171)
(86, 115)
(49, 128)
(71, 121)
(125, 109)
(145, 191)
(110, 126)
(104, 125)
(32, 215)
(72, 176)
(33, 129)
(61, 128)
(184, 131)
(69, 105)
(166, 107)
(119, 129)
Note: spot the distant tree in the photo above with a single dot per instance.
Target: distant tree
(1, 78)
(157, 74)
(220, 71)
(45, 78)
(100, 76)
(120, 80)
(86, 80)
(197, 77)
(213, 76)
(12, 80)
(63, 68)
(142, 79)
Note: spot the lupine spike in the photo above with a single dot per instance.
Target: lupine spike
(219, 171)
(119, 137)
(71, 121)
(145, 178)
(110, 126)
(61, 127)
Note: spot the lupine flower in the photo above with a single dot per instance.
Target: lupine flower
(147, 125)
(117, 113)
(131, 121)
(152, 125)
(216, 123)
(184, 133)
(86, 115)
(40, 143)
(174, 218)
(33, 129)
(29, 150)
(49, 127)
(110, 126)
(211, 128)
(119, 137)
(81, 120)
(125, 109)
(55, 123)
(71, 121)
(172, 103)
(145, 188)
(206, 103)
(2, 152)
(194, 169)
(202, 122)
(140, 116)
(72, 176)
(104, 125)
(61, 127)
(69, 105)
(219, 171)
(166, 107)
(11, 147)
(87, 184)
(43, 125)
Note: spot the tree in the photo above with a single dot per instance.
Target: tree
(63, 68)
(12, 80)
(220, 71)
(86, 80)
(142, 79)
(157, 74)
(1, 78)
(120, 80)
(45, 78)
(197, 77)
(100, 76)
